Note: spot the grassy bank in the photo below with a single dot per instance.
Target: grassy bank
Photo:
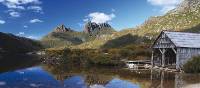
(80, 58)
(192, 66)
(96, 57)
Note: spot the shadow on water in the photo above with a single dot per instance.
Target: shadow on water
(9, 62)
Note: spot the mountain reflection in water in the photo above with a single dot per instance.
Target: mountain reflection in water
(47, 76)
(38, 77)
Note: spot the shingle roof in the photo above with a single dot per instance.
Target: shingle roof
(182, 39)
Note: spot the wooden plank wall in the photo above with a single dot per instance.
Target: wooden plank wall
(185, 54)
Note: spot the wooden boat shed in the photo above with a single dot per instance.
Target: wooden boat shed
(173, 49)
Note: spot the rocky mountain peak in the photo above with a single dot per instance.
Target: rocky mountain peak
(92, 27)
(62, 28)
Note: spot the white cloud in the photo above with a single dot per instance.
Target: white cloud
(167, 8)
(21, 5)
(25, 26)
(2, 22)
(99, 17)
(36, 21)
(164, 2)
(85, 20)
(18, 4)
(35, 8)
(2, 83)
(33, 37)
(14, 14)
(21, 33)
(166, 5)
(113, 10)
(13, 6)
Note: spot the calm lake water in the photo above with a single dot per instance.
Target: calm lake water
(43, 76)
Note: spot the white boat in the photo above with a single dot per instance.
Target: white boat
(131, 65)
(137, 64)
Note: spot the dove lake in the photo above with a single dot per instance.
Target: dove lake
(36, 75)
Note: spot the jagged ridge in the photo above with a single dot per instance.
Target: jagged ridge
(95, 29)
(62, 28)
(62, 36)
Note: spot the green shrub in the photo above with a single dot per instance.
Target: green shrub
(82, 58)
(192, 66)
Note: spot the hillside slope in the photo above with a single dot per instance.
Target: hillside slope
(183, 18)
(14, 44)
(67, 39)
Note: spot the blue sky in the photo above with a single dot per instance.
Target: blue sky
(36, 18)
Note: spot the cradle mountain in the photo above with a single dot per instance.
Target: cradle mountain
(62, 36)
(185, 17)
